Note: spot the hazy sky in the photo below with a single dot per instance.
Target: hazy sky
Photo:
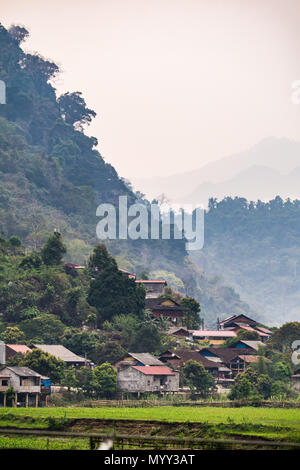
(175, 83)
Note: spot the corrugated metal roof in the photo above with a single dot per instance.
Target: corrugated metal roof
(61, 352)
(146, 358)
(154, 370)
(216, 333)
(23, 371)
(253, 344)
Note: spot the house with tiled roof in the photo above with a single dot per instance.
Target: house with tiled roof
(233, 320)
(224, 355)
(236, 323)
(154, 379)
(179, 357)
(166, 308)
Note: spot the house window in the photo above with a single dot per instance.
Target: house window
(4, 383)
(148, 382)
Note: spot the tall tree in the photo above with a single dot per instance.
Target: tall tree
(101, 259)
(106, 379)
(191, 319)
(283, 338)
(197, 378)
(53, 251)
(113, 293)
(73, 109)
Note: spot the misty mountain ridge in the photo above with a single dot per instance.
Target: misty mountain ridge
(279, 154)
(257, 182)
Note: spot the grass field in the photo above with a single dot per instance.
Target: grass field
(17, 442)
(267, 423)
(272, 416)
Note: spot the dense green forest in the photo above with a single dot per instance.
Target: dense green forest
(255, 247)
(52, 177)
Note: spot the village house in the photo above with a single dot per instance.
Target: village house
(179, 357)
(233, 320)
(137, 359)
(236, 323)
(128, 274)
(154, 288)
(241, 362)
(29, 387)
(26, 385)
(60, 352)
(154, 379)
(180, 332)
(166, 308)
(224, 355)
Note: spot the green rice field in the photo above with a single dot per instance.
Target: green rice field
(277, 424)
(269, 416)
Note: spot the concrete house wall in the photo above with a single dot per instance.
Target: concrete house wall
(133, 380)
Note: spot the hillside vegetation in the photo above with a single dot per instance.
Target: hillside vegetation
(254, 246)
(52, 177)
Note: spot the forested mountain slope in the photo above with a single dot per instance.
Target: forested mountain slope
(255, 247)
(53, 177)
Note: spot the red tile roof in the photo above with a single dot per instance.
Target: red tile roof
(19, 348)
(154, 370)
(264, 330)
(249, 328)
